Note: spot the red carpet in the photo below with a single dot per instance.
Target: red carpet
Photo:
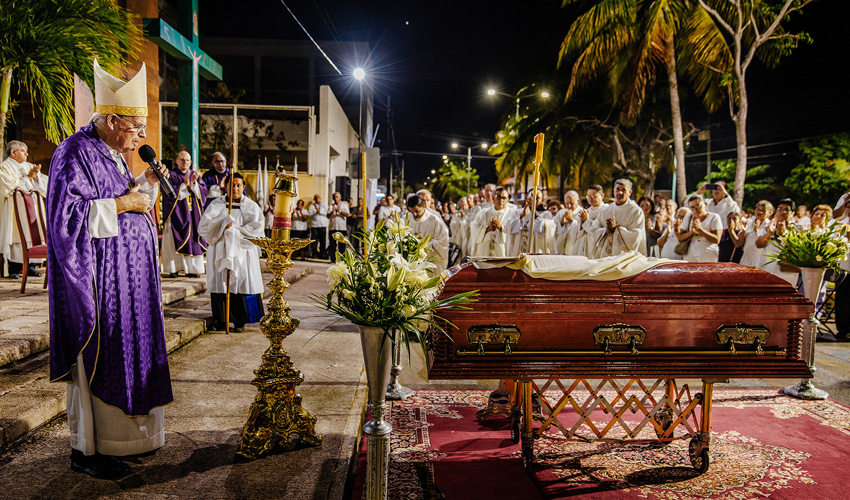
(764, 445)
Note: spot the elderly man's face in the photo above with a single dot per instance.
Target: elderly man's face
(219, 163)
(126, 132)
(337, 197)
(571, 202)
(20, 155)
(488, 192)
(426, 199)
(184, 161)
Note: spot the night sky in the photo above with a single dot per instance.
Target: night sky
(436, 59)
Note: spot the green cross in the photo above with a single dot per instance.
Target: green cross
(193, 61)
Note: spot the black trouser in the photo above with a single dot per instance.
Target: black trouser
(842, 307)
(18, 267)
(319, 247)
(333, 245)
(240, 312)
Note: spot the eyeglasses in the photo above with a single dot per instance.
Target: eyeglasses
(503, 197)
(136, 126)
(693, 207)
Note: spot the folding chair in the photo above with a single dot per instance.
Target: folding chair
(29, 216)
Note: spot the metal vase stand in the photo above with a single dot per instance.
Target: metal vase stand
(812, 279)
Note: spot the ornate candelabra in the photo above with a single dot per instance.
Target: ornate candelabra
(276, 416)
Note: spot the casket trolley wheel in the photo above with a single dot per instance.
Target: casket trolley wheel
(698, 452)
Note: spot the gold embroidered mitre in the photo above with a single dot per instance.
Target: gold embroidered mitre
(113, 95)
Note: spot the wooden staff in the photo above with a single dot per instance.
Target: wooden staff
(538, 159)
(229, 210)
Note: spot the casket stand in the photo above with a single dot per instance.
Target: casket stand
(677, 320)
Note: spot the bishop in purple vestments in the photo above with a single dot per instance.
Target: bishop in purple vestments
(106, 324)
(213, 179)
(182, 247)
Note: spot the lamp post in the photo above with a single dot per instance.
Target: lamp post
(544, 94)
(455, 145)
(359, 75)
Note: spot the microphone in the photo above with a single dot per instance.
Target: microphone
(148, 155)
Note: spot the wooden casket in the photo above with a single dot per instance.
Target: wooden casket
(700, 321)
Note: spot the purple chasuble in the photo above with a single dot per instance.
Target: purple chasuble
(105, 296)
(185, 215)
(212, 177)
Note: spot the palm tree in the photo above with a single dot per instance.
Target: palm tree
(625, 41)
(44, 43)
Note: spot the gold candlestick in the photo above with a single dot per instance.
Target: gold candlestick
(276, 416)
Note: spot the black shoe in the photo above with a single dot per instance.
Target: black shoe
(172, 275)
(217, 326)
(34, 274)
(14, 276)
(193, 275)
(238, 329)
(98, 466)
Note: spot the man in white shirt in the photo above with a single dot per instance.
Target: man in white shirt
(489, 231)
(722, 204)
(568, 224)
(386, 211)
(619, 228)
(423, 221)
(318, 226)
(338, 214)
(585, 244)
(17, 173)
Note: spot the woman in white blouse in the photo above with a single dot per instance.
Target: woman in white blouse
(756, 227)
(703, 228)
(667, 241)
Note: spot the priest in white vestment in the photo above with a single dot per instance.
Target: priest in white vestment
(568, 224)
(17, 173)
(619, 228)
(424, 222)
(489, 231)
(543, 239)
(585, 244)
(229, 249)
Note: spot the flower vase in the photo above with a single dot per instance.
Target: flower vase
(812, 279)
(377, 355)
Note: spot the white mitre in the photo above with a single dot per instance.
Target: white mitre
(113, 95)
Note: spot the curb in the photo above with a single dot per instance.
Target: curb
(31, 400)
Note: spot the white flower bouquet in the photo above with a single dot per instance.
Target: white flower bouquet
(825, 247)
(390, 287)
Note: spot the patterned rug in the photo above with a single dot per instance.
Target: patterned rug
(764, 445)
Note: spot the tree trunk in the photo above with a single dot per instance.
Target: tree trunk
(676, 116)
(5, 100)
(741, 137)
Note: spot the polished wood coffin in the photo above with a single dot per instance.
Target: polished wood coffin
(679, 320)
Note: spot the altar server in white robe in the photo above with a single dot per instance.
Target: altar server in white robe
(17, 173)
(424, 222)
(585, 244)
(619, 228)
(522, 240)
(229, 249)
(486, 200)
(489, 230)
(568, 224)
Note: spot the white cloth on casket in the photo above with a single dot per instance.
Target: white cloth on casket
(629, 234)
(229, 249)
(575, 267)
(493, 243)
(438, 245)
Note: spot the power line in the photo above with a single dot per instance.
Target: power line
(765, 145)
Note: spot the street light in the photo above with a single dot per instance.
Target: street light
(359, 75)
(468, 161)
(544, 94)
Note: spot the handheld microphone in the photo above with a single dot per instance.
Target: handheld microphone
(148, 155)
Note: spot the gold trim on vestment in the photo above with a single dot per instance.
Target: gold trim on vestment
(121, 110)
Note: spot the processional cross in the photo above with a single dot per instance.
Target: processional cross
(538, 159)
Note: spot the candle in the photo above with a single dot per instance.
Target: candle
(285, 190)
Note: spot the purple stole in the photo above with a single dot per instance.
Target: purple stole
(185, 216)
(212, 178)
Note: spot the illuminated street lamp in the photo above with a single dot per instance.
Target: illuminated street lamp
(544, 94)
(455, 145)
